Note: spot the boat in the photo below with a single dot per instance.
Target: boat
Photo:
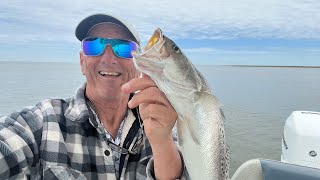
(300, 158)
(301, 139)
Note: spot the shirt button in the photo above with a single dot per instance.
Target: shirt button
(107, 152)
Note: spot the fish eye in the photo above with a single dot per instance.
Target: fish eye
(175, 48)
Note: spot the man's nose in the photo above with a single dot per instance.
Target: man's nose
(108, 56)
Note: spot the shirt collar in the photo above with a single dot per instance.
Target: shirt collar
(77, 109)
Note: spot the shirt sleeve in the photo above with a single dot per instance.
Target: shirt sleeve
(20, 137)
(150, 165)
(150, 170)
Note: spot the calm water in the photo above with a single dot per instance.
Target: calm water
(256, 100)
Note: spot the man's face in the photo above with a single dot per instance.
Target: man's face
(106, 73)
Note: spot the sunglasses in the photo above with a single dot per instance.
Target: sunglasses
(95, 46)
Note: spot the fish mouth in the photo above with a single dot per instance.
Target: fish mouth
(154, 39)
(150, 57)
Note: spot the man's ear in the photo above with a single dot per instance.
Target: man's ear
(82, 63)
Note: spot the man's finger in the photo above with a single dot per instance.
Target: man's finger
(150, 95)
(137, 84)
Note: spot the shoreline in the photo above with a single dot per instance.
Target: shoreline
(269, 66)
(226, 65)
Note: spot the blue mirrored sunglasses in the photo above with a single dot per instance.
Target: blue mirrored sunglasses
(95, 46)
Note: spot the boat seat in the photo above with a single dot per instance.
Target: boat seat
(263, 169)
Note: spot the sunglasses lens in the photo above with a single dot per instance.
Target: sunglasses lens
(93, 46)
(121, 48)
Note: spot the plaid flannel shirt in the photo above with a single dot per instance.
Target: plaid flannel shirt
(59, 139)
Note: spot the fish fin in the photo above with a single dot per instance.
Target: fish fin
(179, 131)
(225, 162)
(222, 114)
(193, 132)
(228, 160)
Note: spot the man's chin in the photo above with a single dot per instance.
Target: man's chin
(108, 94)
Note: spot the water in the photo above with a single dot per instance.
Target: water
(24, 84)
(257, 100)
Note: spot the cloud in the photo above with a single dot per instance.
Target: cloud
(201, 19)
(51, 24)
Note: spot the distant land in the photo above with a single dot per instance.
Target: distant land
(230, 65)
(273, 66)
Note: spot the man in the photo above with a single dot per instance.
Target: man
(98, 133)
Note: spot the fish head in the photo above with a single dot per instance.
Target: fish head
(167, 65)
(149, 61)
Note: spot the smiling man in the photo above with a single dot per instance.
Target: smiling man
(97, 133)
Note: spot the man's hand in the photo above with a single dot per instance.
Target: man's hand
(156, 111)
(158, 118)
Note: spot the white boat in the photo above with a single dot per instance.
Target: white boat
(300, 158)
(301, 139)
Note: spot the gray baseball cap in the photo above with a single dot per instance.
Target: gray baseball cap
(86, 24)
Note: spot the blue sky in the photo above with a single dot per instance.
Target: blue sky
(245, 32)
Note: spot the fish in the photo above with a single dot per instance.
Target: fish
(200, 123)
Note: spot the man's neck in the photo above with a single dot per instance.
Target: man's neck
(110, 113)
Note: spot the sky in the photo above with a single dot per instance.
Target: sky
(217, 32)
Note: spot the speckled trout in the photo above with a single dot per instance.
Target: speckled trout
(200, 123)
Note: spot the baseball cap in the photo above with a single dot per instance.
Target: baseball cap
(87, 23)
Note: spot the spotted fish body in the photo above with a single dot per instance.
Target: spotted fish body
(200, 124)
